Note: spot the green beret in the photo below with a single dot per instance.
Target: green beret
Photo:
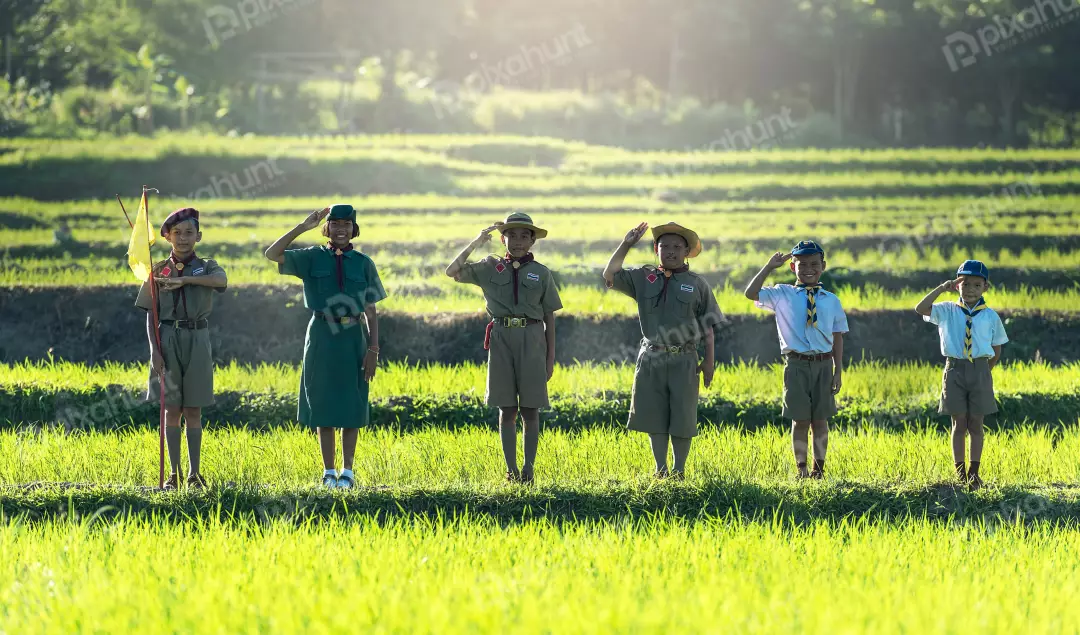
(343, 211)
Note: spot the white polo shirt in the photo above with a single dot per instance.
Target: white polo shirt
(987, 330)
(789, 303)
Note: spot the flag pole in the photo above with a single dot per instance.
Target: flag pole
(157, 340)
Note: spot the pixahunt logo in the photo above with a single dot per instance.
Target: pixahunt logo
(963, 49)
(224, 23)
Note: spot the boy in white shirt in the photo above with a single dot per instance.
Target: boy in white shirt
(971, 339)
(811, 324)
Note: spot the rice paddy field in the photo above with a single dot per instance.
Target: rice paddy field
(433, 540)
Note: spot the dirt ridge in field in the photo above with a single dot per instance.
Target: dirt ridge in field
(267, 324)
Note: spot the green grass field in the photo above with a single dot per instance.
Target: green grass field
(433, 539)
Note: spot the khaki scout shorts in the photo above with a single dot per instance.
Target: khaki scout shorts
(967, 388)
(517, 367)
(808, 394)
(189, 369)
(665, 397)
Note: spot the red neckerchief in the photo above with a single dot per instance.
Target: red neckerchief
(515, 265)
(667, 278)
(339, 255)
(181, 267)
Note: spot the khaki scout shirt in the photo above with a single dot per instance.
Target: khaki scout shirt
(537, 294)
(200, 300)
(683, 316)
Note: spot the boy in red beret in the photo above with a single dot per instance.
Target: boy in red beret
(186, 286)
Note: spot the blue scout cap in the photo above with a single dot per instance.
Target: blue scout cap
(974, 268)
(807, 247)
(343, 211)
(179, 216)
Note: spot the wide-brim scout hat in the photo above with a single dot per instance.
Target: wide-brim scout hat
(179, 216)
(342, 211)
(806, 248)
(692, 240)
(522, 220)
(974, 268)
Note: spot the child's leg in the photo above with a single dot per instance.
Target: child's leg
(975, 430)
(348, 446)
(800, 436)
(193, 422)
(959, 433)
(659, 444)
(172, 436)
(530, 420)
(508, 435)
(326, 445)
(820, 431)
(680, 450)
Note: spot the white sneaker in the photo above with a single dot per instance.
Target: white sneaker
(329, 481)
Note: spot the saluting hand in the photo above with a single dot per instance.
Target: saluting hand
(485, 234)
(314, 219)
(635, 234)
(948, 285)
(777, 260)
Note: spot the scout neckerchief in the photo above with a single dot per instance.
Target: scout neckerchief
(811, 302)
(339, 255)
(515, 265)
(667, 278)
(180, 266)
(970, 315)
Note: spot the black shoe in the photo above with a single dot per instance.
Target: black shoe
(974, 482)
(802, 473)
(817, 475)
(678, 475)
(661, 473)
(513, 477)
(527, 477)
(196, 481)
(171, 484)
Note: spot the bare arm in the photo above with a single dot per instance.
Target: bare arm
(708, 364)
(276, 252)
(615, 263)
(454, 268)
(838, 361)
(549, 335)
(926, 305)
(753, 288)
(371, 357)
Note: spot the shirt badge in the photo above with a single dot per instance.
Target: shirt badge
(687, 288)
(533, 276)
(500, 267)
(198, 272)
(652, 277)
(165, 272)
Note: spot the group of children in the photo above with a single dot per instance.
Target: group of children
(676, 310)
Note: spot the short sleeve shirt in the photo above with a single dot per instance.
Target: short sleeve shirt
(537, 294)
(681, 315)
(195, 303)
(987, 330)
(359, 287)
(788, 302)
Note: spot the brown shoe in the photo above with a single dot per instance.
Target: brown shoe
(196, 481)
(817, 475)
(513, 477)
(527, 476)
(171, 484)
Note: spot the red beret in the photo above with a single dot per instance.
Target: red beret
(179, 216)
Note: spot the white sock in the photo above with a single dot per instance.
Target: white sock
(330, 472)
(346, 474)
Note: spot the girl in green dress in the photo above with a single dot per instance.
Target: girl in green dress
(341, 287)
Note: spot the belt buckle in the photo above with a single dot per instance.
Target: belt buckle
(673, 349)
(517, 322)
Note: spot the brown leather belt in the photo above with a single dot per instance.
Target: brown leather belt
(190, 325)
(515, 322)
(818, 357)
(344, 319)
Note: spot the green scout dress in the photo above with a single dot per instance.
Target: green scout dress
(189, 360)
(517, 357)
(333, 391)
(665, 393)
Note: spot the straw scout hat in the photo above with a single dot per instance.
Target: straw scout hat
(692, 240)
(523, 220)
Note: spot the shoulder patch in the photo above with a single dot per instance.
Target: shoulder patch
(165, 272)
(500, 267)
(652, 277)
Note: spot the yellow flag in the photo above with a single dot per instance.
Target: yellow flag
(139, 245)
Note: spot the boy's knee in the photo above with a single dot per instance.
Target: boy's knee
(801, 426)
(960, 423)
(975, 425)
(193, 417)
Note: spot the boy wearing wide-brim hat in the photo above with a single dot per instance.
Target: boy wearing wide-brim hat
(811, 324)
(677, 312)
(971, 339)
(341, 287)
(521, 299)
(187, 284)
